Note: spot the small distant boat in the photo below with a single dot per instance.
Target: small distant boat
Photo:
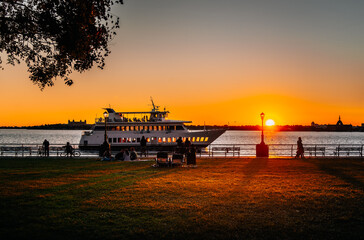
(126, 129)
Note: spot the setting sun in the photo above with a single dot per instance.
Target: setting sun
(270, 122)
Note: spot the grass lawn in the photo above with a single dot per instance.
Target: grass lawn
(232, 198)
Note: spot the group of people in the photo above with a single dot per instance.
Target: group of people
(45, 149)
(188, 149)
(123, 155)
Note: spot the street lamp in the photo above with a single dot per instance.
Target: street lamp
(105, 145)
(262, 149)
(262, 117)
(106, 115)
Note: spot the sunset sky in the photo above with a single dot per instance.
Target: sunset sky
(218, 62)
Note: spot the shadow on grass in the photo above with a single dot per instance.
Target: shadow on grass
(336, 170)
(252, 168)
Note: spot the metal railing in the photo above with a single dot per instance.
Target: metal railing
(213, 150)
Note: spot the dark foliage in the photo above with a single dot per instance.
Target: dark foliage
(55, 37)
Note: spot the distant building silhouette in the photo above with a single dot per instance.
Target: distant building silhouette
(75, 123)
(339, 126)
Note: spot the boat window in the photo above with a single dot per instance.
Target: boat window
(119, 140)
(138, 139)
(173, 139)
(124, 140)
(85, 142)
(155, 128)
(148, 139)
(206, 139)
(159, 139)
(164, 139)
(193, 139)
(118, 128)
(131, 128)
(169, 139)
(110, 140)
(184, 139)
(134, 140)
(114, 140)
(179, 127)
(197, 139)
(202, 139)
(129, 139)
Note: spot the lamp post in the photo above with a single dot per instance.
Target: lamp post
(262, 149)
(105, 145)
(106, 115)
(262, 117)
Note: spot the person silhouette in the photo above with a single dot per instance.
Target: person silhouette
(46, 148)
(300, 149)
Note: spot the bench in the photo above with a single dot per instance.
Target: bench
(226, 150)
(16, 150)
(29, 151)
(315, 150)
(348, 150)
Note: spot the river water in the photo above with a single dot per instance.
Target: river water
(24, 136)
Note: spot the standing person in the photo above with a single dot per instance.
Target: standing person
(143, 147)
(193, 154)
(46, 148)
(300, 149)
(187, 145)
(179, 142)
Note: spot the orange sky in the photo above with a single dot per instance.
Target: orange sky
(221, 64)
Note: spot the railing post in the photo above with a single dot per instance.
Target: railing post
(233, 150)
(315, 150)
(338, 151)
(292, 150)
(22, 150)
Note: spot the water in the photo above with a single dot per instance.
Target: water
(23, 136)
(254, 137)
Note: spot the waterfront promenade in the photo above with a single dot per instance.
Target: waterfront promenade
(221, 198)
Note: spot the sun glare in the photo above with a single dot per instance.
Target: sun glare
(270, 122)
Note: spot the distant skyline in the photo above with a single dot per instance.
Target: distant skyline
(216, 62)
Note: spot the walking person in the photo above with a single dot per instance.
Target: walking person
(46, 148)
(300, 149)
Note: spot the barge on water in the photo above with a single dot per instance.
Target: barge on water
(126, 129)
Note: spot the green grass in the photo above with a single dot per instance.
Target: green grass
(233, 198)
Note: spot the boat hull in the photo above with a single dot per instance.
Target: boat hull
(162, 141)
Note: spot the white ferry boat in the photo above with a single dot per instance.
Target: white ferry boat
(126, 129)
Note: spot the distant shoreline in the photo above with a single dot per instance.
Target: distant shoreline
(52, 127)
(285, 128)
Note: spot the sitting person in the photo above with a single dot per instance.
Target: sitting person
(126, 155)
(68, 149)
(133, 154)
(120, 155)
(107, 156)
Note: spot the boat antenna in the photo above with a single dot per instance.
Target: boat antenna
(155, 108)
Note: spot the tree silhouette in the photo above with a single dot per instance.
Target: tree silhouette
(55, 37)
